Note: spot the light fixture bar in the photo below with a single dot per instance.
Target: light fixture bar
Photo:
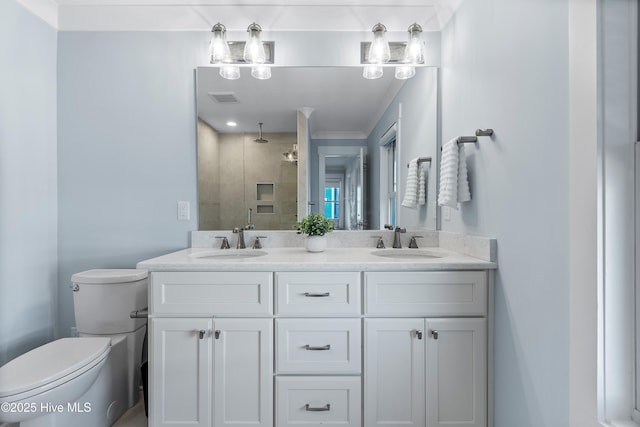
(397, 52)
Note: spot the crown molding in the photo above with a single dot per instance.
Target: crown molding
(47, 10)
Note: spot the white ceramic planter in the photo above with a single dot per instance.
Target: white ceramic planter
(315, 243)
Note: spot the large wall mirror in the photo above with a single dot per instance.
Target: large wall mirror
(255, 153)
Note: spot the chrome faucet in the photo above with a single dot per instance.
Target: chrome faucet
(240, 232)
(397, 243)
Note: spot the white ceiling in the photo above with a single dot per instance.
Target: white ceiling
(273, 15)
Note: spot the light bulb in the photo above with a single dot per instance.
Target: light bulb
(253, 48)
(262, 72)
(379, 51)
(218, 48)
(414, 51)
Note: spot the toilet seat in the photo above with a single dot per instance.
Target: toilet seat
(50, 365)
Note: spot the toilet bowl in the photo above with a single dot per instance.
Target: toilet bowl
(90, 380)
(60, 383)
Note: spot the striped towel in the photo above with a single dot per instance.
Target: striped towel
(454, 183)
(411, 191)
(423, 170)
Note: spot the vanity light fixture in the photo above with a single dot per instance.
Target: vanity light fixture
(229, 56)
(403, 56)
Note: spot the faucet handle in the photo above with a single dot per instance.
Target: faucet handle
(380, 243)
(400, 229)
(388, 226)
(257, 244)
(412, 243)
(225, 242)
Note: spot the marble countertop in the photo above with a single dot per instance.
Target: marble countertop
(298, 259)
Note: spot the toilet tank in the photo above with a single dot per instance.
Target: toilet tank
(104, 299)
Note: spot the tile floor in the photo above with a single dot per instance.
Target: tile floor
(134, 417)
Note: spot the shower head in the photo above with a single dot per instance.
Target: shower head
(260, 139)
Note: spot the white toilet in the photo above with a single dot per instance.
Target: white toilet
(90, 380)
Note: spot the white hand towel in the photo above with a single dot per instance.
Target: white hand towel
(448, 191)
(422, 183)
(411, 190)
(464, 195)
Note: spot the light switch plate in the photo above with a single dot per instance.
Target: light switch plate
(184, 211)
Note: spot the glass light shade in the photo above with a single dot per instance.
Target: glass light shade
(262, 72)
(218, 48)
(372, 72)
(253, 48)
(404, 72)
(230, 72)
(414, 51)
(379, 51)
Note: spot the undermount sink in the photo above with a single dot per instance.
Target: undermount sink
(407, 253)
(228, 254)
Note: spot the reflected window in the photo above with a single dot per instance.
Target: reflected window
(332, 197)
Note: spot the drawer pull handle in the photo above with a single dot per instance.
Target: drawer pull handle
(326, 407)
(434, 333)
(316, 295)
(324, 347)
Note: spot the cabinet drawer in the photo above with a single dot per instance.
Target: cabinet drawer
(310, 401)
(211, 293)
(318, 346)
(317, 293)
(458, 293)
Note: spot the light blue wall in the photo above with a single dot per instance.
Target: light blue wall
(505, 66)
(127, 152)
(28, 183)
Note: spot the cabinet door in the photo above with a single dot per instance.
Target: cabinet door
(180, 372)
(394, 375)
(243, 372)
(456, 372)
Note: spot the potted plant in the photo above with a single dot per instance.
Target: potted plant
(315, 226)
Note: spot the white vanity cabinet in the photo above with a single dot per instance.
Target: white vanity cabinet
(425, 357)
(318, 349)
(208, 370)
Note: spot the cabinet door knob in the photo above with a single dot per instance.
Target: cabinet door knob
(201, 333)
(419, 334)
(326, 407)
(217, 334)
(434, 333)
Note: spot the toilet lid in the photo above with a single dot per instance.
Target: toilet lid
(50, 362)
(101, 276)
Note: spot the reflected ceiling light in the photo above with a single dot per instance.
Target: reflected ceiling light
(232, 123)
(372, 72)
(261, 72)
(230, 72)
(404, 72)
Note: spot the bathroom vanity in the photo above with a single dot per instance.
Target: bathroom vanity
(353, 336)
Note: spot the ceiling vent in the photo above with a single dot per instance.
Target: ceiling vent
(223, 97)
